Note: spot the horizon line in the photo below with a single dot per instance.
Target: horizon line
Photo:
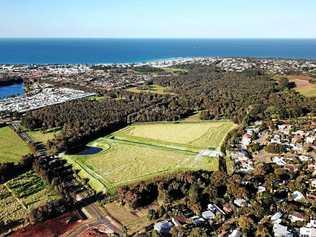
(162, 38)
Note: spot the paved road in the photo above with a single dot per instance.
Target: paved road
(97, 217)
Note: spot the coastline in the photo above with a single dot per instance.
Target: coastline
(45, 51)
(153, 62)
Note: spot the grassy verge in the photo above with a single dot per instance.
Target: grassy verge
(12, 147)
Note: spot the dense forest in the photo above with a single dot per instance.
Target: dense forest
(10, 80)
(242, 97)
(237, 96)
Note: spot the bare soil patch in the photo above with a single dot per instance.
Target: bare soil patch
(50, 228)
(301, 81)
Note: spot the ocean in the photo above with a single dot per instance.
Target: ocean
(94, 51)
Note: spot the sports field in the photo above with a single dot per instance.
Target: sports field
(142, 152)
(12, 147)
(22, 194)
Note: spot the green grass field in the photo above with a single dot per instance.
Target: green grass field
(143, 151)
(12, 147)
(175, 70)
(154, 89)
(126, 162)
(308, 91)
(192, 135)
(22, 194)
(41, 136)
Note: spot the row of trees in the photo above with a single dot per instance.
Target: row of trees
(63, 178)
(10, 170)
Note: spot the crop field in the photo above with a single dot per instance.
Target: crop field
(164, 149)
(22, 194)
(12, 147)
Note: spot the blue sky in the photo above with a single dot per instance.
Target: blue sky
(158, 18)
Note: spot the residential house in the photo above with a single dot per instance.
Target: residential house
(281, 231)
(296, 216)
(298, 196)
(307, 232)
(163, 227)
(276, 218)
(235, 233)
(239, 202)
(208, 215)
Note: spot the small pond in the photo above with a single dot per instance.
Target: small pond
(90, 150)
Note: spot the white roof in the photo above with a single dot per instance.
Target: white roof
(312, 223)
(276, 216)
(281, 231)
(240, 202)
(297, 196)
(208, 215)
(163, 226)
(306, 231)
(235, 233)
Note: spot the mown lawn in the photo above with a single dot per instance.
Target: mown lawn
(22, 194)
(308, 91)
(126, 162)
(12, 147)
(143, 151)
(194, 135)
